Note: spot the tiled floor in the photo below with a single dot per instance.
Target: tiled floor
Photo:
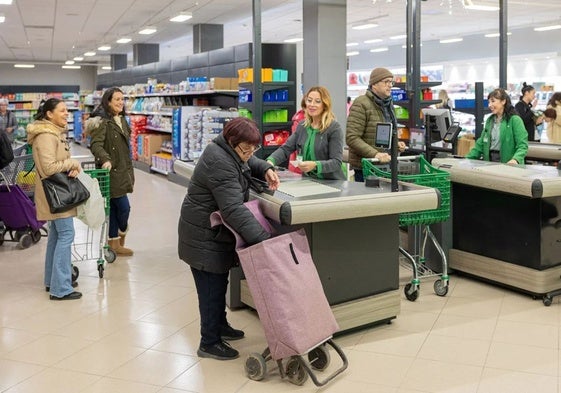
(136, 330)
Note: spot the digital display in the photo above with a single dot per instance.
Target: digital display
(383, 135)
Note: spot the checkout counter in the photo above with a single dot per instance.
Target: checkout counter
(543, 152)
(354, 239)
(506, 224)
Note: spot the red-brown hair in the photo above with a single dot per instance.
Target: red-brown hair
(241, 129)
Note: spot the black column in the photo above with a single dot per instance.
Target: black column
(145, 53)
(503, 43)
(207, 37)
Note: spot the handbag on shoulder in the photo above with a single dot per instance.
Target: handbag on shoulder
(64, 192)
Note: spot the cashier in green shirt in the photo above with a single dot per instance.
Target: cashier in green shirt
(317, 140)
(504, 138)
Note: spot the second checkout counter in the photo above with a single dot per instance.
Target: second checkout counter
(506, 224)
(354, 239)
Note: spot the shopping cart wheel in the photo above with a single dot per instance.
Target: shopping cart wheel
(547, 299)
(295, 373)
(319, 358)
(411, 295)
(255, 366)
(110, 255)
(2, 238)
(25, 240)
(75, 273)
(440, 288)
(36, 235)
(100, 270)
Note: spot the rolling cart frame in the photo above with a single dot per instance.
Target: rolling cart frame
(418, 171)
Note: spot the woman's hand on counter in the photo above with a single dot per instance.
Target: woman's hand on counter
(272, 179)
(512, 162)
(307, 166)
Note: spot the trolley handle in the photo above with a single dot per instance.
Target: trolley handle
(399, 158)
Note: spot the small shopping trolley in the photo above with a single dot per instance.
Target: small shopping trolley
(417, 170)
(90, 244)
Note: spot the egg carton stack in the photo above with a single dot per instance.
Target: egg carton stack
(203, 127)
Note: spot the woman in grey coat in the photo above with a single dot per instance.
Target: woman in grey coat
(318, 140)
(221, 181)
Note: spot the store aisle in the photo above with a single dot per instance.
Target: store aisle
(136, 330)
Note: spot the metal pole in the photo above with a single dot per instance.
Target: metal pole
(503, 43)
(257, 65)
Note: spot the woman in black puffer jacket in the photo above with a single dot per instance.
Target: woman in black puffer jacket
(221, 181)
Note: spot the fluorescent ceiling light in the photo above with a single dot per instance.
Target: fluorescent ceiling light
(89, 54)
(547, 28)
(451, 40)
(475, 7)
(382, 49)
(78, 58)
(104, 48)
(2, 18)
(353, 53)
(69, 62)
(352, 43)
(106, 67)
(71, 67)
(373, 41)
(294, 40)
(365, 26)
(494, 35)
(148, 30)
(5, 2)
(123, 40)
(398, 37)
(182, 17)
(23, 65)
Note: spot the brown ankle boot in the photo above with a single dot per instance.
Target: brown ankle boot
(115, 245)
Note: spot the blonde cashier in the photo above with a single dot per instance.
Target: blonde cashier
(318, 140)
(504, 138)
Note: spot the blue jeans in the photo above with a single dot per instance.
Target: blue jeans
(211, 290)
(119, 212)
(58, 261)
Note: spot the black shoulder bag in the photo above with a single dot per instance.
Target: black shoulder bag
(64, 192)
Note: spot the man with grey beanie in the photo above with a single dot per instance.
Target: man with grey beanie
(374, 107)
(8, 121)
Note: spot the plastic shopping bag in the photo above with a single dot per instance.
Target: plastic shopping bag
(91, 212)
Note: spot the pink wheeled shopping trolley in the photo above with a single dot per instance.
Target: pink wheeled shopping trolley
(292, 307)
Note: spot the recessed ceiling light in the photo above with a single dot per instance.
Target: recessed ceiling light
(106, 67)
(123, 40)
(104, 48)
(353, 53)
(398, 37)
(382, 49)
(373, 41)
(78, 58)
(89, 54)
(365, 26)
(182, 17)
(494, 35)
(547, 28)
(475, 7)
(71, 67)
(294, 40)
(148, 30)
(451, 40)
(69, 62)
(5, 2)
(24, 65)
(2, 18)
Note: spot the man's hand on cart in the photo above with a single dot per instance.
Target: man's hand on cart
(106, 165)
(401, 146)
(272, 179)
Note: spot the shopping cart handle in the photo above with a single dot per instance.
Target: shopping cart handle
(399, 158)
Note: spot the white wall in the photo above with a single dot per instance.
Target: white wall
(44, 74)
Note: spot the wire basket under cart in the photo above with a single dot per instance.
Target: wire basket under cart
(90, 244)
(417, 170)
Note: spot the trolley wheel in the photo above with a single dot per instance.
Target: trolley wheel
(36, 235)
(18, 235)
(25, 240)
(75, 273)
(110, 255)
(547, 299)
(100, 270)
(411, 296)
(319, 358)
(295, 373)
(1, 239)
(440, 288)
(255, 366)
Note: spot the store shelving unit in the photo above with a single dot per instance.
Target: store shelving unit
(414, 119)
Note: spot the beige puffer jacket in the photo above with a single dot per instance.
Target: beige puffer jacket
(51, 154)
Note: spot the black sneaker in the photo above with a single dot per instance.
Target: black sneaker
(219, 351)
(71, 296)
(229, 333)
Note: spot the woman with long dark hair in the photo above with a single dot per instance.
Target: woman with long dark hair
(110, 145)
(51, 153)
(504, 138)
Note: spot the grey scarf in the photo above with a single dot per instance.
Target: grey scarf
(387, 108)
